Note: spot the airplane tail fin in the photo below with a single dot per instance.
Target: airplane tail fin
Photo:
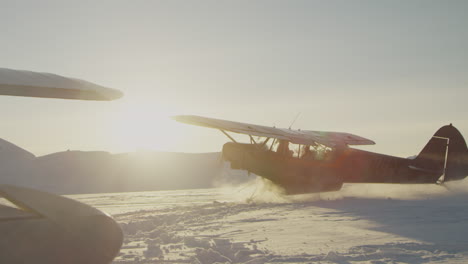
(446, 149)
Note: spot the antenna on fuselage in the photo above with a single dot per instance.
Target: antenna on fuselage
(294, 121)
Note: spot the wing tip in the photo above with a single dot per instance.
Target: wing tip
(114, 94)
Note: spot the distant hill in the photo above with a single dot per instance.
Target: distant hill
(72, 172)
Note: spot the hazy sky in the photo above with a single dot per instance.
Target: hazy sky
(392, 71)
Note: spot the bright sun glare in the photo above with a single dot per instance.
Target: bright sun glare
(145, 126)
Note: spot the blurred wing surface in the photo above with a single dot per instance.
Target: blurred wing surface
(47, 85)
(304, 137)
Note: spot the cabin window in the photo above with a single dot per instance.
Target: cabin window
(273, 145)
(313, 152)
(296, 150)
(316, 152)
(286, 148)
(280, 146)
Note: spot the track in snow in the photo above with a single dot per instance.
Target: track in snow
(360, 224)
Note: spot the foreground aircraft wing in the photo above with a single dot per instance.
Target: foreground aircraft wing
(47, 85)
(43, 227)
(305, 137)
(39, 227)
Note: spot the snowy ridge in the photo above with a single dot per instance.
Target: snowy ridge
(73, 172)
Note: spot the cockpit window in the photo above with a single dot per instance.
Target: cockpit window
(313, 152)
(316, 152)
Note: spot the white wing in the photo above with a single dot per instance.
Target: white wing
(47, 85)
(305, 137)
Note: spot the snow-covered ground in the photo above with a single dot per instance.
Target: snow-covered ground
(250, 224)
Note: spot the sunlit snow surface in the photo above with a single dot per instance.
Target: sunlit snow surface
(253, 224)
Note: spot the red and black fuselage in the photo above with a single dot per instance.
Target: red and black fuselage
(445, 154)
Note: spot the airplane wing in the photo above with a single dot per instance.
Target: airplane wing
(39, 227)
(47, 85)
(304, 137)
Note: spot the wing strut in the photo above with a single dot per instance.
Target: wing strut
(259, 144)
(266, 141)
(272, 144)
(227, 135)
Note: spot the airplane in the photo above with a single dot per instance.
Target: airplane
(322, 161)
(39, 227)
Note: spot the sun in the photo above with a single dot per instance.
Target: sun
(144, 126)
